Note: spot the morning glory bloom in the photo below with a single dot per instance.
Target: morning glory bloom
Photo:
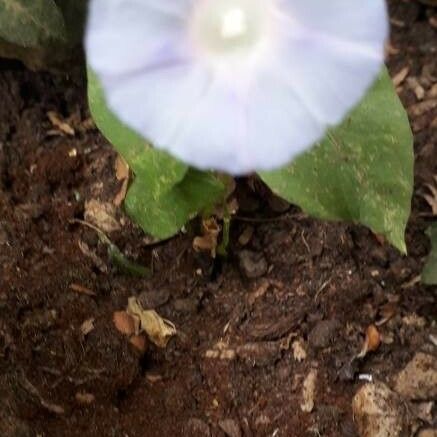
(235, 85)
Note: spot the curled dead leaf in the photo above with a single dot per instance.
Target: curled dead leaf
(371, 342)
(121, 168)
(158, 330)
(124, 322)
(208, 241)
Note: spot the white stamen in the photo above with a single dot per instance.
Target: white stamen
(234, 23)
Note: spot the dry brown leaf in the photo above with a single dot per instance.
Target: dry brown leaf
(371, 342)
(208, 241)
(122, 175)
(87, 326)
(121, 168)
(60, 124)
(121, 195)
(102, 215)
(124, 322)
(158, 330)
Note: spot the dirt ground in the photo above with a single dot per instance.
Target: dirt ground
(294, 298)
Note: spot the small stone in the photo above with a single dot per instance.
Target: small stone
(197, 428)
(150, 300)
(230, 427)
(418, 380)
(252, 264)
(379, 412)
(308, 391)
(188, 306)
(323, 333)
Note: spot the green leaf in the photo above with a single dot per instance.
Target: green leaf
(74, 13)
(165, 193)
(429, 273)
(165, 215)
(361, 172)
(31, 23)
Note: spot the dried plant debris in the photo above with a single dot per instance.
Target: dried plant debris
(158, 330)
(371, 342)
(209, 239)
(308, 391)
(102, 215)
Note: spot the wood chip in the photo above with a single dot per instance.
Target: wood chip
(84, 398)
(399, 77)
(82, 290)
(87, 326)
(422, 108)
(60, 124)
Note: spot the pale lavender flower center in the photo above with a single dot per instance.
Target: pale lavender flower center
(229, 27)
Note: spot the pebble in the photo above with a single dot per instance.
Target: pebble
(252, 264)
(187, 306)
(379, 412)
(230, 427)
(323, 333)
(418, 379)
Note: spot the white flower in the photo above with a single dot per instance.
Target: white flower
(235, 85)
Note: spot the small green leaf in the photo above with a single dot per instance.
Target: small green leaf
(31, 23)
(165, 193)
(165, 215)
(361, 172)
(429, 273)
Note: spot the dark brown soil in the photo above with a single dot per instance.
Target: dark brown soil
(232, 369)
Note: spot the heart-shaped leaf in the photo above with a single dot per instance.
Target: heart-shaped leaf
(362, 171)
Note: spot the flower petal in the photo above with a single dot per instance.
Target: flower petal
(330, 52)
(124, 37)
(157, 102)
